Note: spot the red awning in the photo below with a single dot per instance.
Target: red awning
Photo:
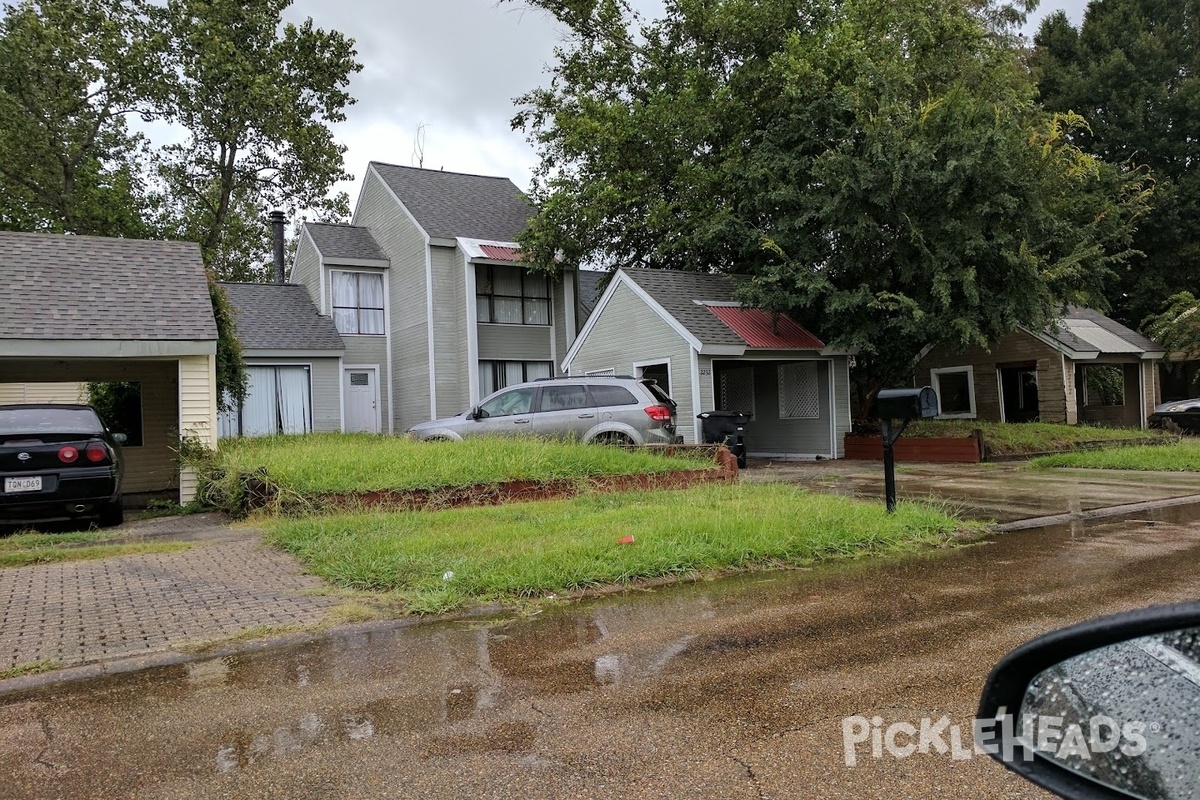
(500, 253)
(761, 329)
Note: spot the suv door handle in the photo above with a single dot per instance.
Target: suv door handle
(586, 416)
(521, 421)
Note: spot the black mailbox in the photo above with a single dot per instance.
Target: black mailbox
(907, 403)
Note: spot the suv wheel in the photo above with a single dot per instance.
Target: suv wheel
(613, 438)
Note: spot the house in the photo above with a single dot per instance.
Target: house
(85, 309)
(1086, 368)
(293, 362)
(426, 289)
(686, 330)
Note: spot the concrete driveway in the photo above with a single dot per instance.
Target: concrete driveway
(726, 689)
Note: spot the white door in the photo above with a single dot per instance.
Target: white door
(360, 393)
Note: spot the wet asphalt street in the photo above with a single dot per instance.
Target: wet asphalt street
(732, 688)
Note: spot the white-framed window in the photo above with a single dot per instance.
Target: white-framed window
(511, 295)
(658, 371)
(799, 391)
(495, 375)
(737, 390)
(358, 302)
(608, 372)
(955, 387)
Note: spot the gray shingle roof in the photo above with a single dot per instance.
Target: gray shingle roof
(589, 291)
(676, 292)
(450, 204)
(344, 241)
(1112, 336)
(272, 316)
(54, 286)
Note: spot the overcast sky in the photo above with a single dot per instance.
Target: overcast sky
(454, 67)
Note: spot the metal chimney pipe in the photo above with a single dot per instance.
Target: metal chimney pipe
(277, 223)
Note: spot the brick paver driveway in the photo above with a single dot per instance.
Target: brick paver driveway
(97, 611)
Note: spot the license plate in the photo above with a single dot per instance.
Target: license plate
(33, 484)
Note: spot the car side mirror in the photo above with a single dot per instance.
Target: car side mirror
(120, 438)
(478, 413)
(1106, 709)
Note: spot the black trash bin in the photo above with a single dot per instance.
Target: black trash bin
(725, 427)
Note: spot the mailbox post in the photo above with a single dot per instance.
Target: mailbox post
(905, 405)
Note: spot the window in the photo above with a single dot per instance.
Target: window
(1103, 385)
(659, 372)
(737, 390)
(607, 394)
(799, 397)
(518, 401)
(358, 302)
(600, 373)
(278, 400)
(564, 398)
(494, 375)
(511, 295)
(119, 404)
(955, 387)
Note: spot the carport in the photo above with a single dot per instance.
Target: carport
(96, 310)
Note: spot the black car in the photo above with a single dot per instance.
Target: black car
(58, 462)
(1182, 413)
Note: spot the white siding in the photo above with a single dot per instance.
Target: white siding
(197, 410)
(60, 392)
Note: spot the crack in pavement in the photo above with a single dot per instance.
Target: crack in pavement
(753, 778)
(49, 734)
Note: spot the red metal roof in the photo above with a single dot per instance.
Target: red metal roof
(500, 253)
(761, 329)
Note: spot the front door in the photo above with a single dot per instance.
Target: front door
(1019, 387)
(360, 393)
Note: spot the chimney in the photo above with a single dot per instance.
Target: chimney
(277, 222)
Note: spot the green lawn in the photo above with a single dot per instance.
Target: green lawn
(24, 549)
(336, 462)
(434, 561)
(1027, 437)
(1182, 456)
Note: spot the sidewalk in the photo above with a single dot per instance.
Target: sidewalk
(1002, 493)
(122, 608)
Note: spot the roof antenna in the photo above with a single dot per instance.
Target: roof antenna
(418, 151)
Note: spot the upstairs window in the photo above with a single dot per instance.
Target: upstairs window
(358, 302)
(511, 295)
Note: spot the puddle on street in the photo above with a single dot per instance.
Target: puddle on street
(451, 686)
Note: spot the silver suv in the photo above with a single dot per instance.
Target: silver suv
(612, 410)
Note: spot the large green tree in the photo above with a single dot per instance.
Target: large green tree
(879, 166)
(71, 71)
(1132, 71)
(256, 98)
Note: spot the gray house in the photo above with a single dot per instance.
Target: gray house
(87, 309)
(427, 293)
(685, 330)
(293, 362)
(1085, 368)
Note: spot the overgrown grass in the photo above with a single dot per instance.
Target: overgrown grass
(1005, 438)
(321, 464)
(32, 668)
(34, 539)
(435, 561)
(1182, 456)
(53, 553)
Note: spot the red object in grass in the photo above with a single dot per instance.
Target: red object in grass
(625, 540)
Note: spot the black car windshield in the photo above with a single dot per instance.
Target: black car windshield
(49, 420)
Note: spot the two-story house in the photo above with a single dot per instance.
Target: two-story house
(425, 288)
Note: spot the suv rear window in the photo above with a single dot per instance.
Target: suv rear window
(658, 393)
(607, 394)
(49, 420)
